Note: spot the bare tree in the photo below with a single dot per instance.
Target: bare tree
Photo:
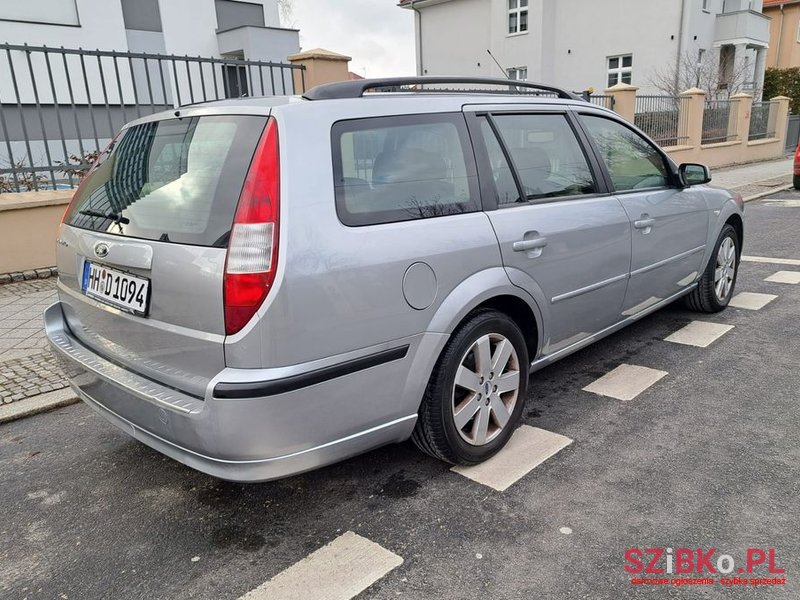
(286, 8)
(719, 79)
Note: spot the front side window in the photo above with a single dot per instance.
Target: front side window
(517, 16)
(632, 162)
(391, 169)
(546, 154)
(620, 69)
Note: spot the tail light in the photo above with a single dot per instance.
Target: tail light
(797, 161)
(737, 197)
(253, 247)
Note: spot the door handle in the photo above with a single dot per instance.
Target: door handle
(644, 223)
(526, 245)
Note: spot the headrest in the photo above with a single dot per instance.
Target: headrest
(408, 164)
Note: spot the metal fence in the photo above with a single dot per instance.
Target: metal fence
(59, 107)
(602, 100)
(659, 117)
(719, 121)
(760, 121)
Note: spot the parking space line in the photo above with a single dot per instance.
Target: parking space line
(625, 382)
(527, 449)
(751, 300)
(772, 261)
(339, 571)
(790, 277)
(783, 202)
(699, 333)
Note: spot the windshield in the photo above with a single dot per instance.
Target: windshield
(176, 180)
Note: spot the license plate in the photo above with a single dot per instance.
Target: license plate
(117, 288)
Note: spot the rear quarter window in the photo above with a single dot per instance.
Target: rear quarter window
(175, 180)
(390, 169)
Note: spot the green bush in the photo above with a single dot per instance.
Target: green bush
(783, 82)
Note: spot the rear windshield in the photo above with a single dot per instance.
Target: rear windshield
(176, 180)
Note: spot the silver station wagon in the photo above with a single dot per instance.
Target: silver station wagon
(262, 286)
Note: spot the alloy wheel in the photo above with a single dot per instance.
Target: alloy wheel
(486, 389)
(726, 269)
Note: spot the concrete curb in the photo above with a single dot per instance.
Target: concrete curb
(780, 188)
(37, 404)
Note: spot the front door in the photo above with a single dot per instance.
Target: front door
(556, 230)
(669, 225)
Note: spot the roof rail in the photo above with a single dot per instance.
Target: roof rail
(356, 89)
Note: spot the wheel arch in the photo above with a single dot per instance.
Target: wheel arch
(736, 221)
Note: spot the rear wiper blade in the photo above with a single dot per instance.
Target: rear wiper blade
(117, 218)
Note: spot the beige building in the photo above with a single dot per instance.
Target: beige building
(784, 33)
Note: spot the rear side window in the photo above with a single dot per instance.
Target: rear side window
(548, 158)
(390, 169)
(176, 180)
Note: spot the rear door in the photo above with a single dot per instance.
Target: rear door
(669, 225)
(142, 250)
(555, 224)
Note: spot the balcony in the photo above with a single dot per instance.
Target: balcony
(742, 27)
(259, 43)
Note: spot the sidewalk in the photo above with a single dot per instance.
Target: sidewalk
(31, 380)
(755, 180)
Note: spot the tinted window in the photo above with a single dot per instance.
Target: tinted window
(504, 184)
(632, 161)
(546, 154)
(402, 168)
(176, 180)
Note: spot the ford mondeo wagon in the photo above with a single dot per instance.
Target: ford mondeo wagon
(262, 286)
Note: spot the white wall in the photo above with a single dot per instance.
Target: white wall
(569, 41)
(455, 37)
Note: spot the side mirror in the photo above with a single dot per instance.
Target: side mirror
(694, 174)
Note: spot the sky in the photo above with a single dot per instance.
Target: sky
(376, 33)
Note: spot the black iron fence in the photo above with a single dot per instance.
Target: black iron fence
(59, 107)
(660, 118)
(762, 125)
(606, 101)
(720, 121)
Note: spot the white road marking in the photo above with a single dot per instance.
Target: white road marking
(565, 530)
(772, 261)
(783, 203)
(751, 301)
(339, 571)
(791, 277)
(527, 449)
(699, 333)
(625, 382)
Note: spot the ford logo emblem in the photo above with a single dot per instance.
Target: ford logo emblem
(101, 250)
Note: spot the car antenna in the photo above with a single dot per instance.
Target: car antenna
(505, 72)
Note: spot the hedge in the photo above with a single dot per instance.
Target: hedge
(783, 82)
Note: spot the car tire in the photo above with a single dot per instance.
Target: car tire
(458, 423)
(796, 182)
(712, 294)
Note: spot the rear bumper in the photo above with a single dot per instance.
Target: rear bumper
(254, 438)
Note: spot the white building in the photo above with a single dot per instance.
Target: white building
(210, 28)
(138, 56)
(582, 44)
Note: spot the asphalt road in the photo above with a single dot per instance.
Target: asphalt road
(708, 457)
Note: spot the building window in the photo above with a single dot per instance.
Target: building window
(620, 69)
(517, 16)
(518, 73)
